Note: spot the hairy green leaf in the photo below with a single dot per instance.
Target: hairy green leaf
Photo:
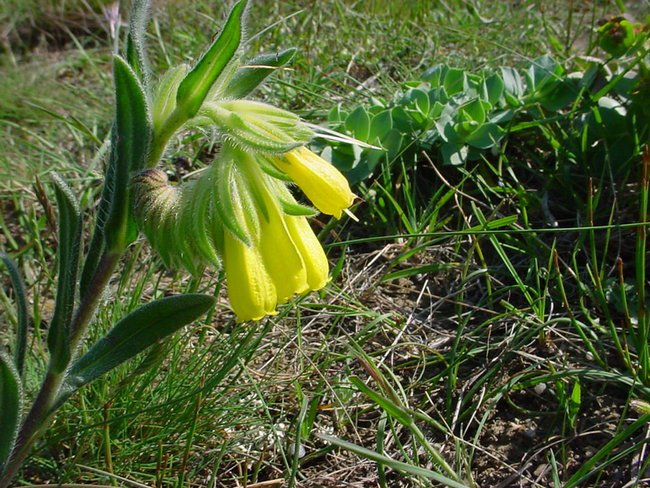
(255, 71)
(68, 256)
(98, 243)
(10, 405)
(133, 136)
(133, 334)
(135, 41)
(197, 83)
(164, 100)
(21, 310)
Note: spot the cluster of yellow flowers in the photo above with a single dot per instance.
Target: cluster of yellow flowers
(284, 257)
(241, 214)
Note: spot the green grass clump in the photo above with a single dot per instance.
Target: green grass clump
(491, 314)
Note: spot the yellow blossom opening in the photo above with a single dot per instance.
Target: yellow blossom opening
(323, 184)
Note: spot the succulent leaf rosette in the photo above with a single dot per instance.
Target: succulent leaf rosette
(239, 212)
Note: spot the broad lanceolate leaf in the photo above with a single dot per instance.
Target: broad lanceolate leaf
(255, 71)
(21, 310)
(10, 405)
(133, 136)
(68, 256)
(135, 41)
(196, 85)
(132, 335)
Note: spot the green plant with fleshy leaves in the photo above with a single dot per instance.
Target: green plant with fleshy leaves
(238, 211)
(458, 116)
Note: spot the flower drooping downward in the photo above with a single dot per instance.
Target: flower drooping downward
(238, 212)
(241, 211)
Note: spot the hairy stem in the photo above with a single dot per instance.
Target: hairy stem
(160, 139)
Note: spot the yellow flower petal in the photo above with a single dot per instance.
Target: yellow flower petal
(323, 184)
(310, 249)
(251, 292)
(281, 257)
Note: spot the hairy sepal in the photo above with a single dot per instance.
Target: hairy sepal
(258, 126)
(228, 201)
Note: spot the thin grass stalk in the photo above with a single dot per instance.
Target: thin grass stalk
(567, 307)
(641, 257)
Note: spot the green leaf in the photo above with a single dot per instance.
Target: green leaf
(98, 243)
(392, 463)
(574, 403)
(21, 311)
(135, 41)
(486, 136)
(541, 72)
(164, 100)
(250, 76)
(132, 335)
(68, 257)
(415, 270)
(132, 140)
(475, 110)
(398, 412)
(512, 83)
(393, 144)
(10, 405)
(453, 154)
(416, 99)
(336, 116)
(358, 123)
(493, 88)
(380, 126)
(197, 83)
(605, 452)
(455, 81)
(435, 75)
(401, 120)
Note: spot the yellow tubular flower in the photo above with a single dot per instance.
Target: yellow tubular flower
(323, 184)
(311, 251)
(251, 292)
(280, 253)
